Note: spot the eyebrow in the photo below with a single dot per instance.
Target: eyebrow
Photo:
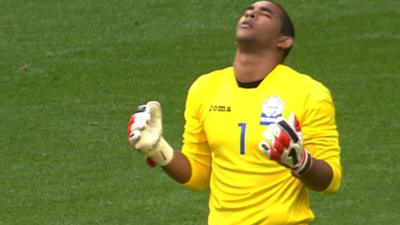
(263, 9)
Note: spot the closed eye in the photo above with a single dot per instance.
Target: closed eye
(262, 11)
(266, 11)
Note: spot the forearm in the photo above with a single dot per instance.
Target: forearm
(319, 176)
(179, 168)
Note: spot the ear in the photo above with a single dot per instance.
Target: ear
(285, 42)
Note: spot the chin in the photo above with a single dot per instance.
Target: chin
(245, 35)
(245, 39)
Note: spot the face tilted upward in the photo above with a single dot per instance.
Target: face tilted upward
(261, 23)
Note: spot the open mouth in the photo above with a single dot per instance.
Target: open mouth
(246, 25)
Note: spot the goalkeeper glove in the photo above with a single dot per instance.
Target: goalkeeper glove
(145, 134)
(283, 143)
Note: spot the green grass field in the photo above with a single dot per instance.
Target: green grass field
(71, 73)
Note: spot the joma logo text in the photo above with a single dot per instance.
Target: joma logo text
(219, 108)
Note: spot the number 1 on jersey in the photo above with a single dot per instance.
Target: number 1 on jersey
(242, 137)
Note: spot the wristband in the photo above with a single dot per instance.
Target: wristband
(305, 165)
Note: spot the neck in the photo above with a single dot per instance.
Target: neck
(251, 64)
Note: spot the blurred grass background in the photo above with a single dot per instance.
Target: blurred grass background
(71, 73)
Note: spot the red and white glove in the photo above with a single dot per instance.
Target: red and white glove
(145, 134)
(283, 143)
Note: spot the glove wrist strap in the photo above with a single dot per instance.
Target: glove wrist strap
(305, 165)
(163, 154)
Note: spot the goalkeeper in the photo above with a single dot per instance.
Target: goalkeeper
(259, 134)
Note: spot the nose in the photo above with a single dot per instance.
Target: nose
(249, 13)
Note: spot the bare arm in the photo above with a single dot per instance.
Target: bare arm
(179, 168)
(319, 176)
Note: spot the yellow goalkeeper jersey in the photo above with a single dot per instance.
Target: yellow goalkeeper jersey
(224, 125)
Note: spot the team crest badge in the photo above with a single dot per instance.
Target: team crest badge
(272, 108)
